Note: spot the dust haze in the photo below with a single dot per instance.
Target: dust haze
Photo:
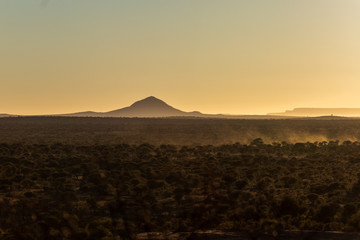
(177, 131)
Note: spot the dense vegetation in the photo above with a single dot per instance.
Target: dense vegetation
(70, 191)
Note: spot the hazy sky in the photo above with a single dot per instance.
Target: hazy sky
(215, 56)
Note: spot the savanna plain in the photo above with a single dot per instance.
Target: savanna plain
(174, 178)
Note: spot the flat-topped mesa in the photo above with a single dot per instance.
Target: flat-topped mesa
(316, 112)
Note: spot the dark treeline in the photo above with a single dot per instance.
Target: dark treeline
(89, 131)
(69, 191)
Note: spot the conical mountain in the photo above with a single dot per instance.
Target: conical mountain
(152, 107)
(148, 107)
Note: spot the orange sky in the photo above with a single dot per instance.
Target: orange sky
(240, 57)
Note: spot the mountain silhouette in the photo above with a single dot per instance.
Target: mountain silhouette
(152, 107)
(149, 107)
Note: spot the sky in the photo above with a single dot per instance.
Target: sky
(214, 56)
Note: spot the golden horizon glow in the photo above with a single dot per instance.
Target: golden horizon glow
(236, 57)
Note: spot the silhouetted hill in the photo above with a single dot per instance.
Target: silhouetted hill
(83, 114)
(151, 107)
(317, 112)
(148, 107)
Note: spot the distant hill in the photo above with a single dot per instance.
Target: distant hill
(81, 114)
(151, 107)
(317, 112)
(148, 107)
